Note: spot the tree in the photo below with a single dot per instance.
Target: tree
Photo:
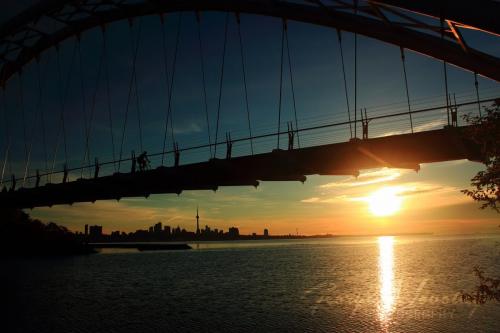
(485, 132)
(22, 235)
(487, 290)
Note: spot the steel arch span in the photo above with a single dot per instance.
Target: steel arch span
(50, 22)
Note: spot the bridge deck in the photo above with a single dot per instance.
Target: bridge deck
(397, 151)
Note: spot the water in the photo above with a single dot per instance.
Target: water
(370, 284)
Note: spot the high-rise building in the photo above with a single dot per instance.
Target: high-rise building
(157, 228)
(86, 230)
(95, 231)
(167, 230)
(266, 233)
(233, 232)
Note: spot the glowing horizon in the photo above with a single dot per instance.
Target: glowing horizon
(323, 204)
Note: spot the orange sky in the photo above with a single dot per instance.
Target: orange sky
(431, 203)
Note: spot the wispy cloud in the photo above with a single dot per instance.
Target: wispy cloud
(434, 124)
(446, 195)
(188, 129)
(326, 200)
(367, 178)
(311, 200)
(111, 214)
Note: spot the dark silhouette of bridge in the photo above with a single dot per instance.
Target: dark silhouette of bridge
(27, 36)
(399, 151)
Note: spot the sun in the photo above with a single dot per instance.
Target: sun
(385, 201)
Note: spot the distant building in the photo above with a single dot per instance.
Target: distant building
(233, 232)
(157, 228)
(166, 229)
(95, 231)
(266, 233)
(151, 230)
(86, 230)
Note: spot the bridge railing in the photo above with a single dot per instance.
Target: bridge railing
(313, 132)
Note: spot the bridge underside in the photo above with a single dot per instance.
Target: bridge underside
(397, 151)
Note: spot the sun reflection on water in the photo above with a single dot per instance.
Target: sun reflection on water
(386, 278)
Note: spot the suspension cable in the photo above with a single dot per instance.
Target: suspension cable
(281, 81)
(62, 100)
(446, 91)
(137, 99)
(167, 79)
(33, 131)
(476, 84)
(220, 83)
(108, 95)
(168, 117)
(42, 118)
(244, 80)
(339, 35)
(202, 66)
(131, 83)
(92, 111)
(84, 97)
(21, 107)
(7, 136)
(355, 74)
(403, 60)
(445, 74)
(291, 83)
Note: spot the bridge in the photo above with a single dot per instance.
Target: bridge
(353, 139)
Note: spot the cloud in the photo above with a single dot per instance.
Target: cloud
(188, 129)
(434, 124)
(442, 195)
(111, 214)
(310, 200)
(325, 200)
(368, 178)
(415, 188)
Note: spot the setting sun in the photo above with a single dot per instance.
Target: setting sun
(385, 201)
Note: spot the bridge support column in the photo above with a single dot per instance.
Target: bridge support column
(37, 179)
(96, 170)
(364, 122)
(177, 154)
(134, 162)
(65, 176)
(229, 146)
(291, 136)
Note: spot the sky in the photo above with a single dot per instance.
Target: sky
(431, 201)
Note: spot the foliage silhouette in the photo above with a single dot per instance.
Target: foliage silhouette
(22, 235)
(487, 290)
(485, 131)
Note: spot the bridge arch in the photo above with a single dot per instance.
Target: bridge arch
(21, 41)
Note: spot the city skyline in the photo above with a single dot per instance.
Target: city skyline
(159, 228)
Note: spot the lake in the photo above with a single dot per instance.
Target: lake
(343, 284)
